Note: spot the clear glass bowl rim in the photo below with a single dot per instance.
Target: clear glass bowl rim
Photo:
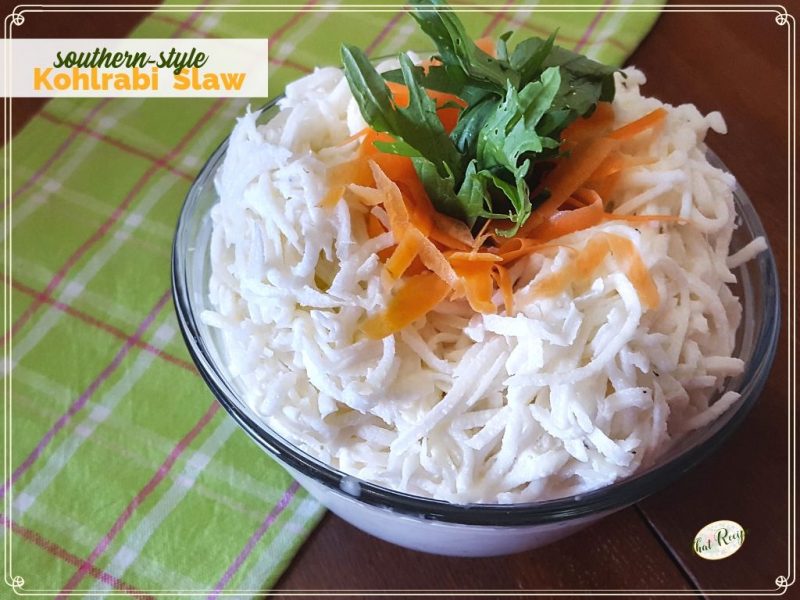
(606, 499)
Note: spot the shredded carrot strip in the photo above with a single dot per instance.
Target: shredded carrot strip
(487, 45)
(478, 284)
(333, 195)
(646, 122)
(503, 279)
(401, 96)
(392, 202)
(450, 232)
(400, 170)
(613, 163)
(569, 175)
(419, 205)
(454, 257)
(433, 258)
(575, 271)
(353, 137)
(598, 123)
(405, 252)
(636, 270)
(356, 171)
(591, 257)
(588, 196)
(568, 221)
(417, 267)
(337, 178)
(516, 247)
(448, 115)
(396, 167)
(573, 202)
(555, 282)
(374, 229)
(427, 63)
(368, 195)
(482, 236)
(367, 149)
(606, 187)
(415, 297)
(374, 226)
(583, 267)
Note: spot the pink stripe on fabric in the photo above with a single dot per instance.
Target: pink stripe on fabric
(84, 397)
(140, 497)
(285, 500)
(287, 62)
(95, 322)
(496, 19)
(63, 554)
(108, 223)
(189, 22)
(127, 148)
(383, 33)
(58, 152)
(278, 62)
(281, 31)
(183, 24)
(592, 26)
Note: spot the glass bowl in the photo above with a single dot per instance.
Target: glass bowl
(473, 529)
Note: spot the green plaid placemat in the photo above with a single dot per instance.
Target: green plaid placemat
(125, 476)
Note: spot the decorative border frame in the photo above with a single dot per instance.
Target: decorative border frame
(782, 18)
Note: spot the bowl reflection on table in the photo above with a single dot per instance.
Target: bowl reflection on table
(437, 526)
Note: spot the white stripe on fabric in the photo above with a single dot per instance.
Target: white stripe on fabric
(280, 545)
(84, 538)
(99, 257)
(398, 38)
(190, 161)
(600, 44)
(110, 439)
(289, 44)
(225, 474)
(169, 500)
(94, 302)
(60, 456)
(37, 198)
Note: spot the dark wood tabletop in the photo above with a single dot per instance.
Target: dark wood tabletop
(737, 63)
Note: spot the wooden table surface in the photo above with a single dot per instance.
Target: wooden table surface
(736, 63)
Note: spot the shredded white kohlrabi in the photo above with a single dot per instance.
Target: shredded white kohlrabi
(570, 394)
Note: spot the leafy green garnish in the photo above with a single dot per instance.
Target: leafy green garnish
(518, 103)
(418, 125)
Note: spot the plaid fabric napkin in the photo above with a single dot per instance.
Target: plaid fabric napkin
(124, 476)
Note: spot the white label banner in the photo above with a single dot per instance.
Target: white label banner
(165, 68)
